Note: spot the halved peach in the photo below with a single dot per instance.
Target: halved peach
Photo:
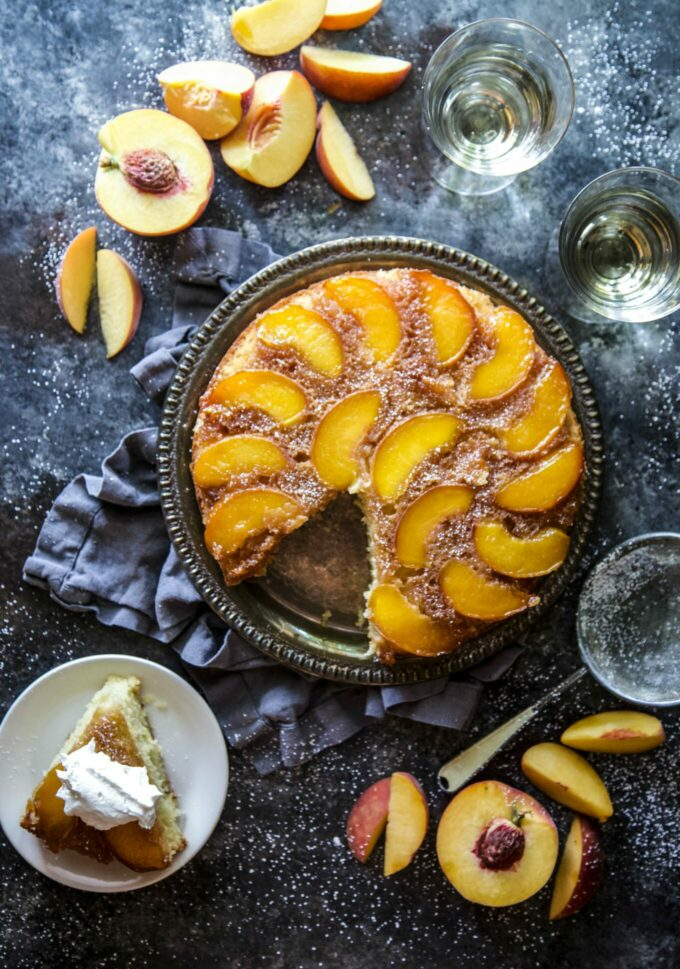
(307, 334)
(407, 819)
(211, 96)
(405, 446)
(347, 14)
(477, 596)
(276, 26)
(350, 75)
(339, 160)
(155, 174)
(402, 623)
(264, 390)
(76, 277)
(547, 484)
(520, 558)
(245, 514)
(568, 778)
(120, 300)
(367, 819)
(546, 415)
(276, 134)
(339, 435)
(580, 869)
(372, 308)
(240, 454)
(452, 319)
(615, 732)
(512, 359)
(423, 516)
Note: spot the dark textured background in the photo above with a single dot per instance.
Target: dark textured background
(275, 886)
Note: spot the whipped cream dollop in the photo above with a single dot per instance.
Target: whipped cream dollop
(104, 793)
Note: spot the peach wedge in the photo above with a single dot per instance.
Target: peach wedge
(406, 446)
(580, 870)
(350, 75)
(423, 517)
(338, 438)
(307, 334)
(370, 306)
(521, 558)
(241, 454)
(338, 158)
(514, 348)
(545, 416)
(367, 819)
(245, 514)
(477, 596)
(120, 301)
(567, 778)
(76, 277)
(547, 484)
(407, 819)
(615, 732)
(262, 390)
(451, 318)
(276, 26)
(347, 14)
(402, 624)
(211, 96)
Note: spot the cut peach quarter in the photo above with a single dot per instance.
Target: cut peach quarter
(520, 558)
(477, 596)
(347, 14)
(580, 870)
(407, 820)
(211, 96)
(402, 623)
(245, 514)
(75, 278)
(155, 174)
(338, 437)
(370, 306)
(276, 26)
(423, 517)
(277, 132)
(451, 318)
(233, 456)
(546, 414)
(120, 301)
(567, 778)
(615, 732)
(262, 390)
(547, 484)
(367, 819)
(307, 334)
(406, 446)
(339, 159)
(513, 356)
(350, 75)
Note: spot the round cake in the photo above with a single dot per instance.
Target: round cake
(436, 408)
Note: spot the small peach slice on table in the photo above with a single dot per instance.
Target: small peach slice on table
(211, 96)
(276, 134)
(367, 819)
(512, 360)
(352, 76)
(546, 414)
(339, 160)
(264, 390)
(520, 558)
(475, 595)
(496, 845)
(615, 732)
(120, 301)
(580, 870)
(402, 623)
(155, 174)
(547, 484)
(245, 514)
(407, 820)
(405, 446)
(75, 278)
(307, 334)
(240, 454)
(347, 14)
(452, 319)
(338, 438)
(567, 778)
(372, 309)
(423, 516)
(276, 26)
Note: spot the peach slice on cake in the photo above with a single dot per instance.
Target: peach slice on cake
(211, 96)
(402, 623)
(496, 845)
(75, 278)
(514, 349)
(568, 778)
(407, 819)
(120, 301)
(477, 596)
(263, 390)
(520, 558)
(276, 134)
(307, 334)
(367, 819)
(580, 870)
(451, 318)
(240, 454)
(546, 415)
(347, 14)
(405, 446)
(547, 484)
(423, 516)
(155, 174)
(339, 435)
(370, 306)
(350, 75)
(245, 514)
(276, 26)
(615, 732)
(339, 160)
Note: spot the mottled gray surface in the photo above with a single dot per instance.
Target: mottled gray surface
(275, 886)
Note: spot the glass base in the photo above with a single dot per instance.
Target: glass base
(454, 178)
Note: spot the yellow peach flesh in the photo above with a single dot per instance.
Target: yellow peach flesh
(368, 303)
(276, 26)
(520, 558)
(120, 301)
(339, 159)
(546, 414)
(568, 778)
(245, 514)
(339, 436)
(352, 75)
(240, 454)
(512, 359)
(549, 483)
(406, 446)
(76, 277)
(451, 318)
(208, 95)
(263, 390)
(347, 14)
(423, 517)
(475, 595)
(407, 820)
(307, 334)
(615, 732)
(402, 623)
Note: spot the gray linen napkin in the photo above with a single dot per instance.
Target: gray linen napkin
(103, 548)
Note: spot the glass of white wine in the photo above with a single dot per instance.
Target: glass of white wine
(498, 96)
(620, 245)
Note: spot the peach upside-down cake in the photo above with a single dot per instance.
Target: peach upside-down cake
(432, 404)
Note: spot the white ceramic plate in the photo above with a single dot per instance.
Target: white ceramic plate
(41, 718)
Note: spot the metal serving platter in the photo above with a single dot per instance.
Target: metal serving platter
(303, 613)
